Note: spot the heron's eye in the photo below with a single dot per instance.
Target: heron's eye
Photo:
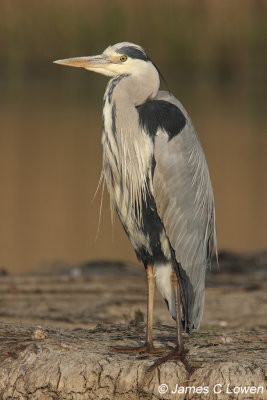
(123, 58)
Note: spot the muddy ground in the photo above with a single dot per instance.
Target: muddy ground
(82, 296)
(58, 327)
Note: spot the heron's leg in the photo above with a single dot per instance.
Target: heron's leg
(150, 305)
(178, 352)
(148, 346)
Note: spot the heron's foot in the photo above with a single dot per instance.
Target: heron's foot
(146, 348)
(176, 354)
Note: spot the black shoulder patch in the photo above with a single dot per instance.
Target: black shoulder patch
(156, 114)
(133, 52)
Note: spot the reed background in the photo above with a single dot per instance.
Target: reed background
(213, 55)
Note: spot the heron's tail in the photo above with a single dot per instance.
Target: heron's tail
(192, 299)
(192, 296)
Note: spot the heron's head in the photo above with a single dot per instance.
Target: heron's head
(122, 58)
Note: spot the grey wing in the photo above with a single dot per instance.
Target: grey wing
(185, 204)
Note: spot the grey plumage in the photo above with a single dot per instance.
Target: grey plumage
(184, 199)
(156, 173)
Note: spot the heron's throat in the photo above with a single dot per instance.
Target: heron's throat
(133, 89)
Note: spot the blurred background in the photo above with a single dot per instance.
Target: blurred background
(214, 58)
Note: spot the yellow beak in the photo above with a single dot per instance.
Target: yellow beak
(86, 62)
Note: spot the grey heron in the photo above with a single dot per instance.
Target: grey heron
(157, 176)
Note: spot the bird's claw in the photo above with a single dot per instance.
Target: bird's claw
(173, 355)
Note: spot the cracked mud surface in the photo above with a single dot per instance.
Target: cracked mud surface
(57, 329)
